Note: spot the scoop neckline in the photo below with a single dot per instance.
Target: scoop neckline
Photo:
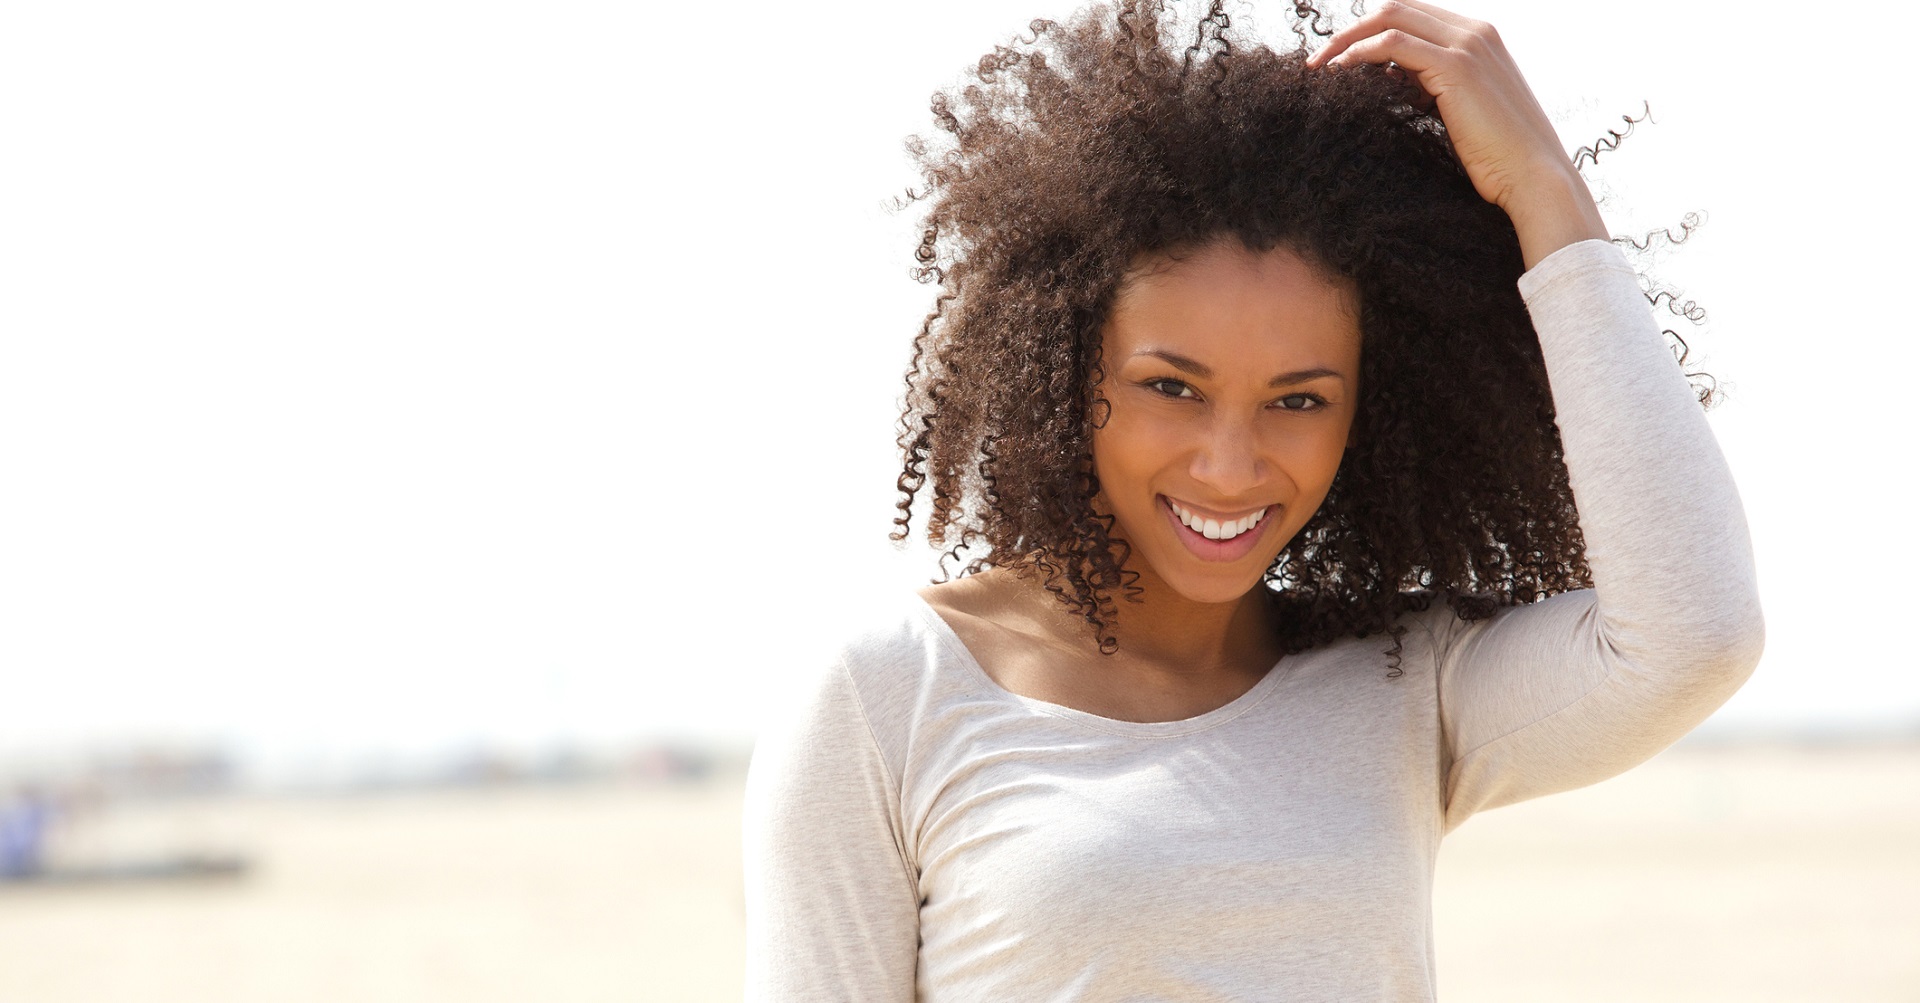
(1214, 718)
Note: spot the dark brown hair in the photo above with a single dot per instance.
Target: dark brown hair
(1071, 152)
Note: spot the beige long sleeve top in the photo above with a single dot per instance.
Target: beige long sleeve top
(916, 832)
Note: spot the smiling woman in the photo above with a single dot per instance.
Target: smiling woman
(1235, 377)
(1061, 180)
(1254, 408)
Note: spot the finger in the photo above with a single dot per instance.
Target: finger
(1392, 15)
(1420, 99)
(1458, 21)
(1411, 52)
(1469, 33)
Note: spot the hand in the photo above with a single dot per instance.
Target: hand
(1499, 131)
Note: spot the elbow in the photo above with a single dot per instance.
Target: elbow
(1754, 639)
(1745, 637)
(1729, 650)
(1700, 658)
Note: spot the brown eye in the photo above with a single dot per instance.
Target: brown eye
(1170, 388)
(1301, 402)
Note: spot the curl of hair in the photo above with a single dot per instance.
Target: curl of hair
(1071, 153)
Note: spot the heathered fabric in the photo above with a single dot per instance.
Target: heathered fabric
(916, 832)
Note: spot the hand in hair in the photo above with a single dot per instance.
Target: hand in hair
(1502, 136)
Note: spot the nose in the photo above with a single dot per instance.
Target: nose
(1227, 459)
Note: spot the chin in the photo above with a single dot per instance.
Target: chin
(1214, 589)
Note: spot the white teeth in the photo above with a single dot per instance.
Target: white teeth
(1213, 529)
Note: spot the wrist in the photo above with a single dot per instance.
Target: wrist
(1552, 212)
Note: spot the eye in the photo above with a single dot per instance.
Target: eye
(1169, 388)
(1301, 402)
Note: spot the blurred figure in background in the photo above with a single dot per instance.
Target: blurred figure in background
(24, 818)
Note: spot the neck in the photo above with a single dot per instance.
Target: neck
(1172, 634)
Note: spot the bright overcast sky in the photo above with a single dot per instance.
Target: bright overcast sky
(406, 375)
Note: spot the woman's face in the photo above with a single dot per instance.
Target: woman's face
(1232, 378)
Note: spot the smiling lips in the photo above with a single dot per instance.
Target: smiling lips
(1215, 529)
(1213, 539)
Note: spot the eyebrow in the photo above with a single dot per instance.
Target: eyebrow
(1192, 366)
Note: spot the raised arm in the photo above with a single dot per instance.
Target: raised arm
(1582, 686)
(832, 908)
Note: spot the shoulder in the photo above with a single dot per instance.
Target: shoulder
(892, 652)
(1426, 627)
(1427, 618)
(891, 663)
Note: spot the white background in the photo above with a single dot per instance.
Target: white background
(392, 377)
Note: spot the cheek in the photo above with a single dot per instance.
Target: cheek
(1132, 445)
(1313, 453)
(1310, 460)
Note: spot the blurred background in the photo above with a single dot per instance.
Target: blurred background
(434, 435)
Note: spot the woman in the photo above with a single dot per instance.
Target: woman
(1241, 360)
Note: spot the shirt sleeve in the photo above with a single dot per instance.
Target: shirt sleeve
(832, 905)
(1582, 686)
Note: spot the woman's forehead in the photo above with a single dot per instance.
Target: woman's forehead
(1227, 294)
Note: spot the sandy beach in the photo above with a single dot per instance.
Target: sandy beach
(1748, 873)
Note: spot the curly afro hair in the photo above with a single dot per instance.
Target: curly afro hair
(1068, 154)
